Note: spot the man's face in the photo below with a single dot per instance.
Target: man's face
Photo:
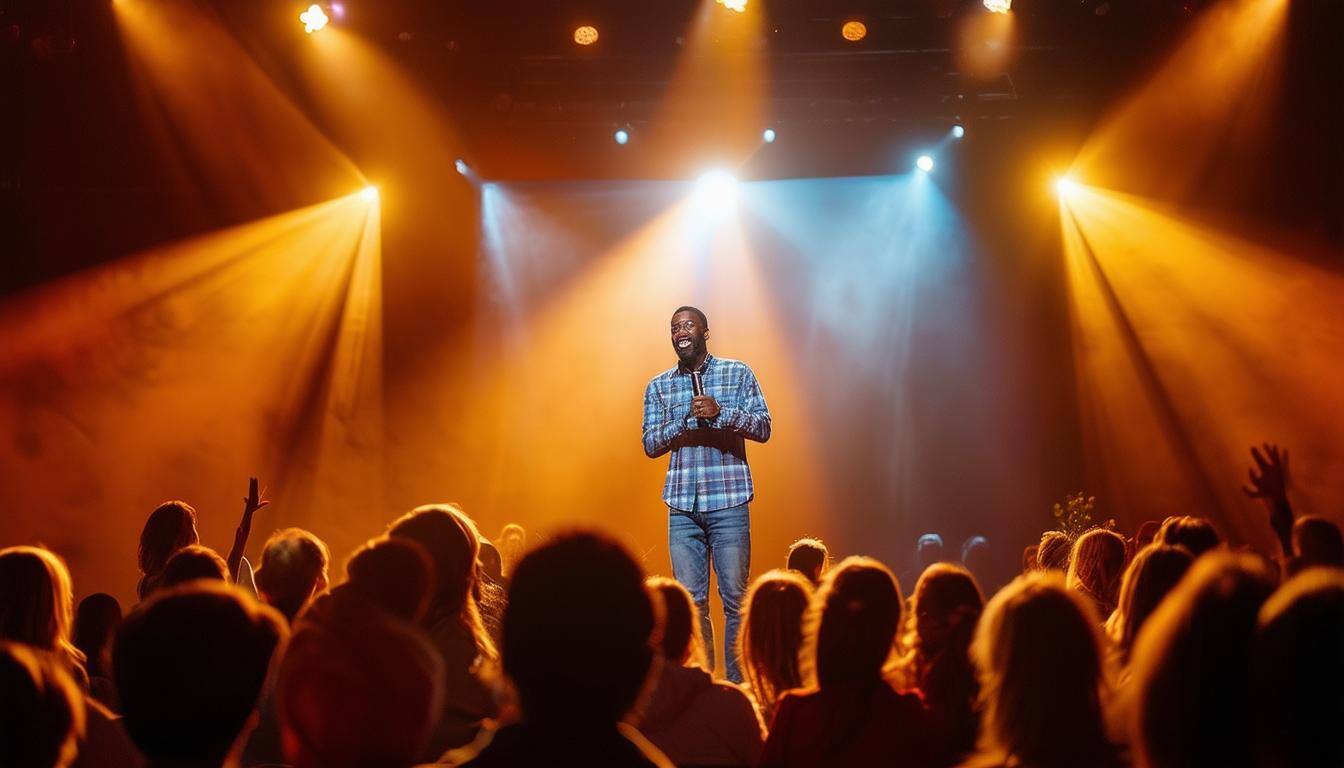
(688, 335)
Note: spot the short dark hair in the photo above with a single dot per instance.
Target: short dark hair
(695, 311)
(41, 708)
(808, 556)
(189, 665)
(563, 671)
(293, 562)
(1194, 533)
(191, 563)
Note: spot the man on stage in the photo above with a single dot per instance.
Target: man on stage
(701, 411)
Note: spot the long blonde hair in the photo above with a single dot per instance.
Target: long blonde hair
(37, 602)
(771, 637)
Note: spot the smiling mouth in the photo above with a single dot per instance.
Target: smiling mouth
(684, 344)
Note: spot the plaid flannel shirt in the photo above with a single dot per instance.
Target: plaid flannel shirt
(707, 469)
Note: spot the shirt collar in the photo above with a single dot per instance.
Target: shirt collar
(681, 369)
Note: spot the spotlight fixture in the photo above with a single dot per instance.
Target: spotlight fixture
(958, 131)
(718, 189)
(924, 163)
(998, 6)
(369, 194)
(1065, 186)
(585, 35)
(768, 135)
(462, 166)
(854, 31)
(734, 5)
(314, 19)
(622, 136)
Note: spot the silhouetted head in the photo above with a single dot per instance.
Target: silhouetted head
(293, 569)
(1194, 533)
(169, 528)
(771, 637)
(1316, 541)
(1191, 689)
(450, 538)
(1029, 558)
(681, 642)
(512, 542)
(1038, 652)
(36, 601)
(1052, 554)
(975, 555)
(1147, 533)
(1298, 672)
(1153, 573)
(41, 709)
(568, 670)
(946, 604)
(189, 665)
(690, 334)
(851, 625)
(357, 687)
(1095, 567)
(96, 620)
(809, 557)
(191, 563)
(395, 574)
(492, 565)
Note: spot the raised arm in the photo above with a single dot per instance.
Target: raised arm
(750, 418)
(1269, 483)
(251, 504)
(661, 425)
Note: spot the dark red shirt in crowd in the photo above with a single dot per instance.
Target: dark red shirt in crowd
(874, 727)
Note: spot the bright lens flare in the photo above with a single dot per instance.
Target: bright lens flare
(313, 19)
(585, 35)
(924, 163)
(734, 5)
(998, 6)
(718, 189)
(854, 31)
(369, 194)
(1065, 186)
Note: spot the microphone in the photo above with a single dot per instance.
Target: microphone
(697, 386)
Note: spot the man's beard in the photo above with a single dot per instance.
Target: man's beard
(689, 354)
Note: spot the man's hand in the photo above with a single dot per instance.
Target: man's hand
(704, 407)
(1269, 482)
(253, 501)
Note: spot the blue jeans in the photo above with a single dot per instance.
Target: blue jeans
(723, 537)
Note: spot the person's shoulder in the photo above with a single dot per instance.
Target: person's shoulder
(662, 377)
(735, 367)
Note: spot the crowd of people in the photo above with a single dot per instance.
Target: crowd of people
(1170, 648)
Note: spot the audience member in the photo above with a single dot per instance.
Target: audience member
(512, 543)
(41, 709)
(357, 687)
(975, 556)
(574, 684)
(492, 563)
(1316, 542)
(169, 528)
(772, 636)
(396, 575)
(96, 621)
(189, 665)
(1029, 558)
(1052, 554)
(1043, 683)
(193, 562)
(1192, 703)
(491, 593)
(1194, 533)
(37, 605)
(1153, 573)
(809, 557)
(1298, 673)
(293, 569)
(692, 718)
(1095, 567)
(946, 606)
(849, 715)
(453, 621)
(1146, 534)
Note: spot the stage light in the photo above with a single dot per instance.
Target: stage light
(338, 10)
(1065, 186)
(854, 31)
(585, 35)
(461, 166)
(958, 131)
(718, 188)
(369, 194)
(768, 135)
(924, 163)
(313, 19)
(734, 5)
(998, 6)
(621, 136)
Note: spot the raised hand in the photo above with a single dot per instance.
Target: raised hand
(252, 502)
(1269, 483)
